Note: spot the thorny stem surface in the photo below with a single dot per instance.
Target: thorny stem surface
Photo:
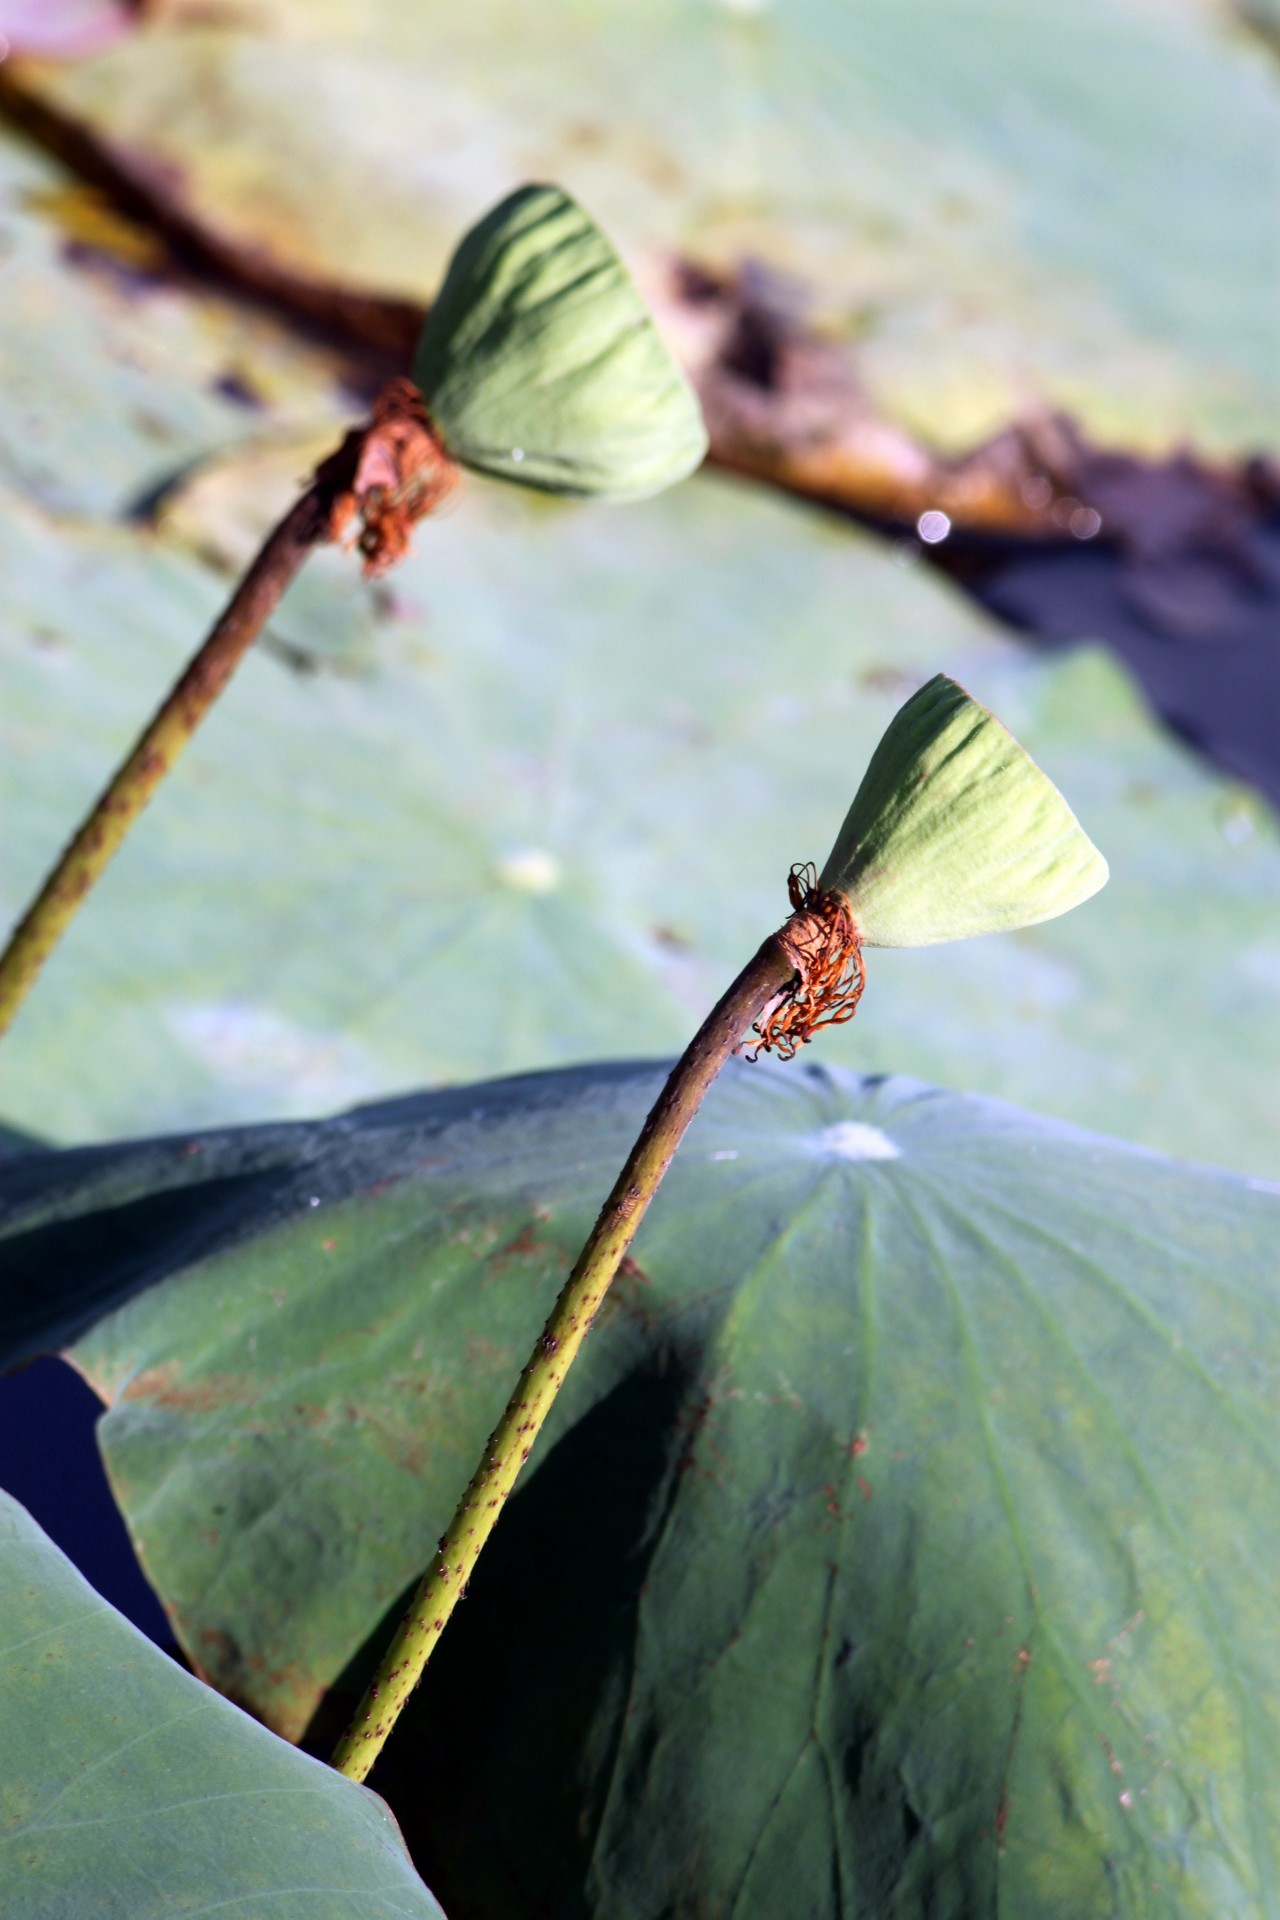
(779, 963)
(389, 472)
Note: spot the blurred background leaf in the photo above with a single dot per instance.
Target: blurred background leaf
(112, 378)
(534, 798)
(539, 803)
(1008, 210)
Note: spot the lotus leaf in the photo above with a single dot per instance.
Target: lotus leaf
(129, 1791)
(1001, 208)
(903, 1540)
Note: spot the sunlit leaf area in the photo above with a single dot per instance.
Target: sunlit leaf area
(901, 1544)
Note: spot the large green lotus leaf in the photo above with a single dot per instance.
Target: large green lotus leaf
(903, 1541)
(536, 800)
(130, 1791)
(540, 362)
(1001, 205)
(955, 831)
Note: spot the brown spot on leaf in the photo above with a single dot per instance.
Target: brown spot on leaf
(162, 1386)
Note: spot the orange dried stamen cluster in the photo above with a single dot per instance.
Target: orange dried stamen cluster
(401, 473)
(822, 942)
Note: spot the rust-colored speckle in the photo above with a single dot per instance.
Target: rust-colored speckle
(525, 1242)
(162, 1386)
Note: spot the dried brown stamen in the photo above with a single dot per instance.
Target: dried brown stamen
(400, 473)
(822, 942)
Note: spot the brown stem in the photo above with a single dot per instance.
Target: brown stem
(389, 472)
(776, 966)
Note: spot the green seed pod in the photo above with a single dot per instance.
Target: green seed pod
(540, 362)
(955, 831)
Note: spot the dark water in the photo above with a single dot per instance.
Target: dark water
(1200, 630)
(49, 1461)
(1172, 560)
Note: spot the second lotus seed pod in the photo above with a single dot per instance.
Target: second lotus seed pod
(955, 831)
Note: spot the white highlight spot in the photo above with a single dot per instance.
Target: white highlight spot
(517, 453)
(933, 526)
(1238, 819)
(854, 1140)
(530, 870)
(724, 1153)
(260, 1053)
(1260, 966)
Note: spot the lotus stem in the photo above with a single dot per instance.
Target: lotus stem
(389, 472)
(776, 972)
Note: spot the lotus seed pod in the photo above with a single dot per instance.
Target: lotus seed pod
(955, 831)
(540, 362)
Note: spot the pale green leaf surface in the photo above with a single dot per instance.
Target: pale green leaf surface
(903, 1542)
(110, 381)
(539, 803)
(130, 1791)
(540, 362)
(534, 798)
(955, 831)
(1005, 208)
